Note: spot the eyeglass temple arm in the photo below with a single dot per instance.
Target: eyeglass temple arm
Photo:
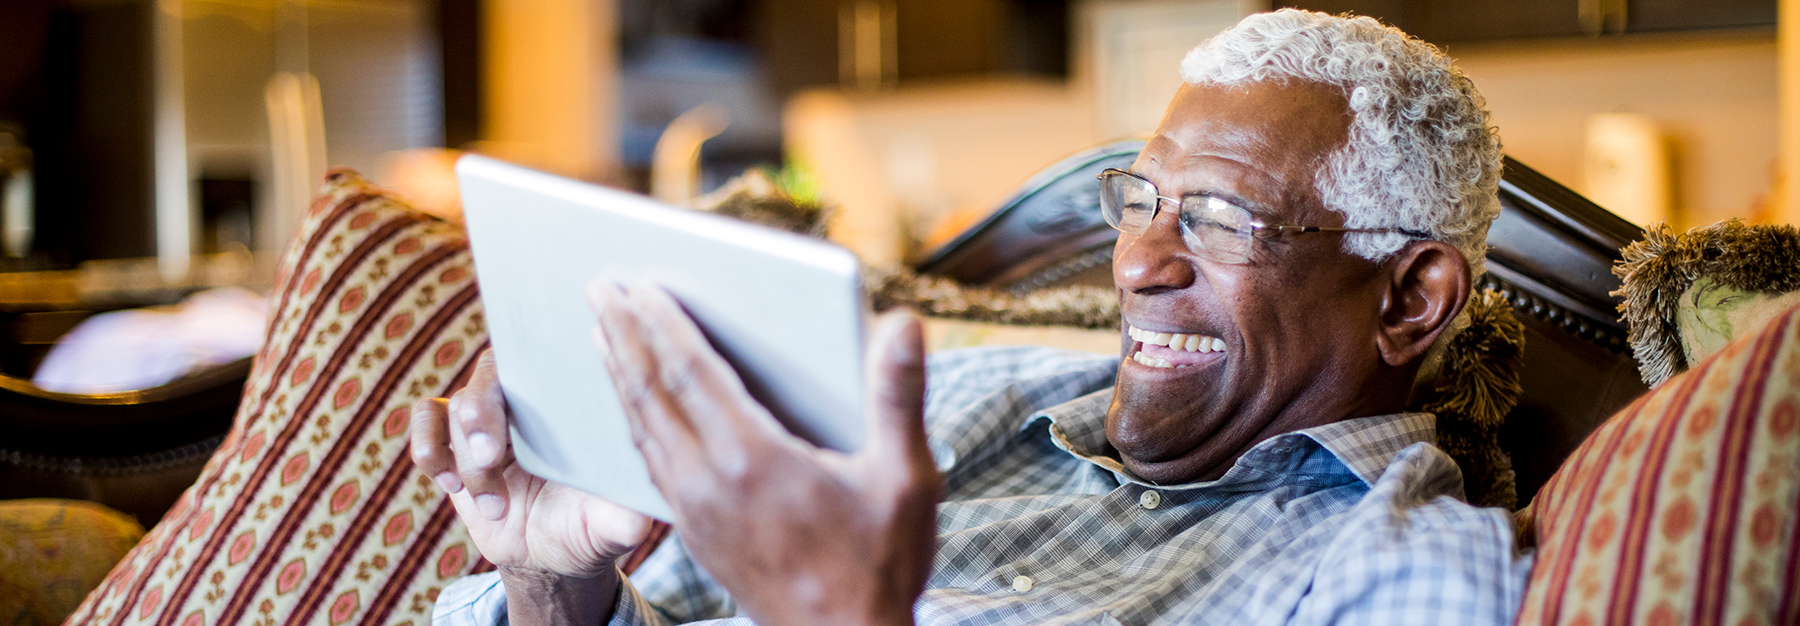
(1282, 228)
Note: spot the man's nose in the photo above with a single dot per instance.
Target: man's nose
(1155, 260)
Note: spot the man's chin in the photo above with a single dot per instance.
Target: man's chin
(1175, 471)
(1159, 432)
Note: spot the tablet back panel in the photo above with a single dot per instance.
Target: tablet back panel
(784, 309)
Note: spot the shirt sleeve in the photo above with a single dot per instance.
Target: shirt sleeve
(1419, 558)
(668, 588)
(476, 600)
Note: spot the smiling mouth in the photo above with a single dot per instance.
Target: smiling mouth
(1173, 350)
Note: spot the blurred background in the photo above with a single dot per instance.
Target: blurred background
(153, 148)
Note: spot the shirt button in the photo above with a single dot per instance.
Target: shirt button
(1023, 584)
(1150, 499)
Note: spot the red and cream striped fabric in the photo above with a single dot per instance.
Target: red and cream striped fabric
(311, 511)
(1684, 508)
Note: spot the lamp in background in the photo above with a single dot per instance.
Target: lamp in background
(1627, 167)
(297, 146)
(868, 52)
(16, 225)
(675, 164)
(426, 178)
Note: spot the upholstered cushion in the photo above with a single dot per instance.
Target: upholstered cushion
(1682, 509)
(52, 552)
(311, 512)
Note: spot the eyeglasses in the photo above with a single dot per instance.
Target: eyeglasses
(1214, 228)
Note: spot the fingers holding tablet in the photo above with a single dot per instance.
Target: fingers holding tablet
(430, 434)
(461, 442)
(517, 520)
(436, 455)
(896, 384)
(657, 428)
(686, 406)
(478, 434)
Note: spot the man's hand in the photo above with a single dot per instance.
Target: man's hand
(554, 545)
(799, 535)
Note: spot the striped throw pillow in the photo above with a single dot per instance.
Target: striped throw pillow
(1684, 508)
(311, 511)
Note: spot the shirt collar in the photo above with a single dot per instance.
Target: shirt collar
(1364, 445)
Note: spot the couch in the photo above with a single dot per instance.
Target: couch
(309, 510)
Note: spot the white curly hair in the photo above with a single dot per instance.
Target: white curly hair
(1421, 154)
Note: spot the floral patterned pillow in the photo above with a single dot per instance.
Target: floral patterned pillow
(1685, 507)
(311, 511)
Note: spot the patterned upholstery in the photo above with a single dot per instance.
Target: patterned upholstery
(311, 511)
(1685, 507)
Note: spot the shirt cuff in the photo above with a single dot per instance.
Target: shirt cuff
(480, 600)
(477, 600)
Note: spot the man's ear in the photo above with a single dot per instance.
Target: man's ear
(1426, 286)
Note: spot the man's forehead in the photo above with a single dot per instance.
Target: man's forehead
(1257, 121)
(1260, 139)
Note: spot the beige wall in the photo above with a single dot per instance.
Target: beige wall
(1714, 95)
(910, 168)
(927, 160)
(550, 68)
(1787, 201)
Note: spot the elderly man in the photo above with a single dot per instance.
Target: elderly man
(1295, 240)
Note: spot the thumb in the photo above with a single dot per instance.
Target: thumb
(896, 384)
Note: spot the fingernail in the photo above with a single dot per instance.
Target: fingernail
(491, 506)
(600, 291)
(467, 414)
(903, 343)
(449, 482)
(598, 334)
(483, 449)
(596, 295)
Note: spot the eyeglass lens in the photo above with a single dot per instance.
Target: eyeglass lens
(1212, 227)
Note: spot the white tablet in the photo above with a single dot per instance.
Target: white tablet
(786, 310)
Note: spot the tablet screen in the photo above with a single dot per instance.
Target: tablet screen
(784, 309)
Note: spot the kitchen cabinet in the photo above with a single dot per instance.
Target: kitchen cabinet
(880, 43)
(1450, 21)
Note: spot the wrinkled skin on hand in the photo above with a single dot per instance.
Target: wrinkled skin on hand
(797, 534)
(516, 519)
(542, 535)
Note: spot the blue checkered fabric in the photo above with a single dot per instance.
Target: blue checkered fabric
(1356, 522)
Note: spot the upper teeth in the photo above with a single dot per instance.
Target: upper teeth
(1178, 341)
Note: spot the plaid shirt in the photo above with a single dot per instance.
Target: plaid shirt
(1357, 522)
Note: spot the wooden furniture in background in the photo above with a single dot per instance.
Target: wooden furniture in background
(134, 451)
(1447, 21)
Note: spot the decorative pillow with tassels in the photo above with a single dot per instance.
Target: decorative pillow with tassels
(1685, 295)
(311, 511)
(1685, 507)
